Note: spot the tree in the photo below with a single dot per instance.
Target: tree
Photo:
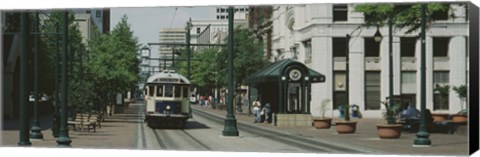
(51, 45)
(402, 15)
(248, 57)
(112, 65)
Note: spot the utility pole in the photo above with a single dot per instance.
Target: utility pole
(24, 121)
(230, 128)
(422, 135)
(189, 26)
(63, 140)
(36, 130)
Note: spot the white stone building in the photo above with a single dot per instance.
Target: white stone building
(173, 36)
(315, 35)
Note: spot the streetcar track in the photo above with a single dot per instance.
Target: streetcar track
(144, 139)
(297, 141)
(196, 140)
(163, 145)
(160, 142)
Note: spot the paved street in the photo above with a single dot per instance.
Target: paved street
(203, 133)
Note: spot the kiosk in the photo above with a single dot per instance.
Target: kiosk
(286, 85)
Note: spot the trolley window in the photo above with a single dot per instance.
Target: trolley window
(185, 92)
(168, 90)
(151, 89)
(159, 91)
(178, 91)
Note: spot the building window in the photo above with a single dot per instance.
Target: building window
(339, 47)
(222, 10)
(372, 90)
(218, 17)
(218, 10)
(198, 30)
(441, 90)
(339, 89)
(372, 48)
(407, 46)
(98, 13)
(308, 51)
(440, 46)
(409, 82)
(340, 12)
(440, 15)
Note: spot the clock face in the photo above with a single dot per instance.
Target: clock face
(295, 74)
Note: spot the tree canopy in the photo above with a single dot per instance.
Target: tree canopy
(405, 15)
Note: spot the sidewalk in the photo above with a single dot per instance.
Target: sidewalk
(115, 133)
(366, 137)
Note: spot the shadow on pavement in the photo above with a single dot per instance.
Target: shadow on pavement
(13, 124)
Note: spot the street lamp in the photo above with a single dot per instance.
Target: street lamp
(36, 130)
(63, 140)
(422, 135)
(230, 128)
(377, 36)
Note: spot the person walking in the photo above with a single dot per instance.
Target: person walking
(266, 111)
(256, 110)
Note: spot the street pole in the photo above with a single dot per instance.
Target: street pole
(347, 69)
(390, 118)
(24, 139)
(189, 23)
(63, 140)
(422, 135)
(230, 128)
(36, 129)
(56, 117)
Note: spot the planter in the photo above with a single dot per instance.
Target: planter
(439, 117)
(389, 131)
(459, 118)
(323, 123)
(346, 127)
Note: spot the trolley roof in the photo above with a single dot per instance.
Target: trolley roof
(168, 76)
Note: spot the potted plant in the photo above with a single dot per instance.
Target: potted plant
(462, 94)
(346, 126)
(323, 122)
(391, 130)
(443, 91)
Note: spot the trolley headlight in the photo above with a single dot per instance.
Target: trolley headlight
(168, 107)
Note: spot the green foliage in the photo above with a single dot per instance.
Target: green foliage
(324, 107)
(248, 56)
(461, 91)
(402, 15)
(209, 67)
(391, 111)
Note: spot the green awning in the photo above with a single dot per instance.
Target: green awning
(273, 72)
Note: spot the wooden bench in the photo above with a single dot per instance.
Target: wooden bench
(92, 122)
(84, 120)
(78, 121)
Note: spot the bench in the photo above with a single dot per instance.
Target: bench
(84, 120)
(77, 121)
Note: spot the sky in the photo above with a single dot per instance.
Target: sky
(146, 22)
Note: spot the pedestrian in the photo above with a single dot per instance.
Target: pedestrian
(266, 112)
(202, 101)
(256, 110)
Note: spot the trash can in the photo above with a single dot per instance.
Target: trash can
(355, 111)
